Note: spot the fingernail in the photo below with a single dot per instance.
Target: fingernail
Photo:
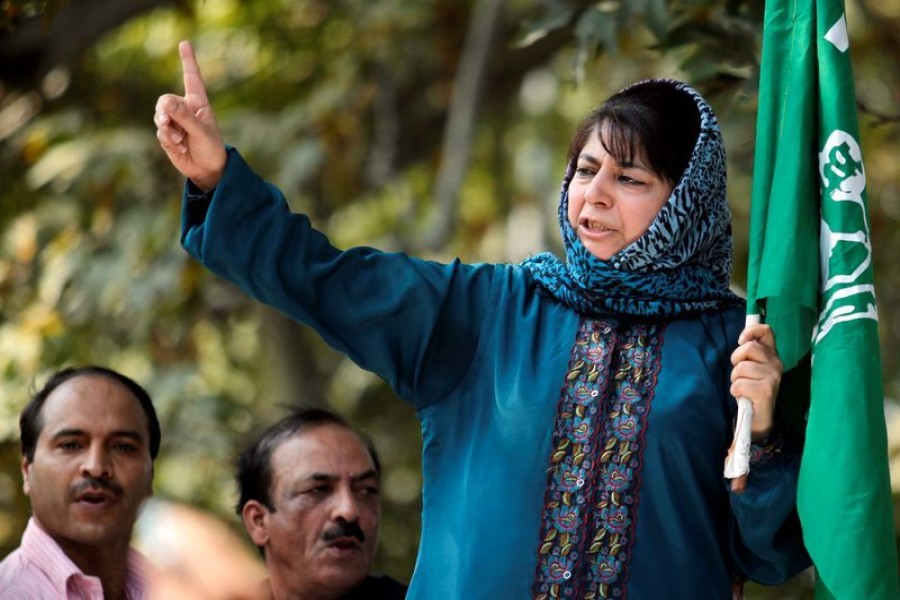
(176, 138)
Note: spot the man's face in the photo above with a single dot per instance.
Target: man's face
(92, 466)
(322, 535)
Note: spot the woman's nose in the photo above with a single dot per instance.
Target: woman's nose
(597, 190)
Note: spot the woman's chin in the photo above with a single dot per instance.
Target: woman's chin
(603, 251)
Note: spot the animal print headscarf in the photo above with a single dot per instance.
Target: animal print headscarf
(681, 265)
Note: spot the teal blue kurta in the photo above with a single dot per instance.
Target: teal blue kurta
(483, 356)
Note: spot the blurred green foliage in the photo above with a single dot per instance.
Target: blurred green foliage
(344, 106)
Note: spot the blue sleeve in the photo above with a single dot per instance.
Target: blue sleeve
(415, 323)
(767, 540)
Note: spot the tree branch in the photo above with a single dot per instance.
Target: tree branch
(457, 141)
(37, 46)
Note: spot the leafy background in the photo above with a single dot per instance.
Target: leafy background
(438, 127)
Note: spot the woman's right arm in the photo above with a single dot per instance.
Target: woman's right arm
(413, 322)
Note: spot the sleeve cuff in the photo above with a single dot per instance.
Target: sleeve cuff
(196, 202)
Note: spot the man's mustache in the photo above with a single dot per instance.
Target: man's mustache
(93, 483)
(344, 529)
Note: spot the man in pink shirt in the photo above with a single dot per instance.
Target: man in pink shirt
(89, 437)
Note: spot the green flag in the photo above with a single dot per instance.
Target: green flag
(810, 275)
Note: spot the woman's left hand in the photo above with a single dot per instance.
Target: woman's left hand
(757, 375)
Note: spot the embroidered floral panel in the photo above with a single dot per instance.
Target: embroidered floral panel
(590, 506)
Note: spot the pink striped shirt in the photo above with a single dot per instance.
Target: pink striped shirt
(38, 569)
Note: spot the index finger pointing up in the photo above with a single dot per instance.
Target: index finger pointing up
(193, 80)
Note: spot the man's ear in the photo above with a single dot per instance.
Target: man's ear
(256, 521)
(26, 486)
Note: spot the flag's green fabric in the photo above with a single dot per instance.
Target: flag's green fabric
(810, 274)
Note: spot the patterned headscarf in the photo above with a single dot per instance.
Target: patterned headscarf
(681, 265)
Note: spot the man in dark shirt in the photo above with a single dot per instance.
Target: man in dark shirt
(309, 498)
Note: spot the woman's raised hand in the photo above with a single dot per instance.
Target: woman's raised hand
(187, 129)
(757, 375)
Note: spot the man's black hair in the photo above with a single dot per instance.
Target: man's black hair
(254, 468)
(31, 424)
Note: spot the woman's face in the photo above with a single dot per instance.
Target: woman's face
(612, 204)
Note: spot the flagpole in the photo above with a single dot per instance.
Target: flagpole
(737, 463)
